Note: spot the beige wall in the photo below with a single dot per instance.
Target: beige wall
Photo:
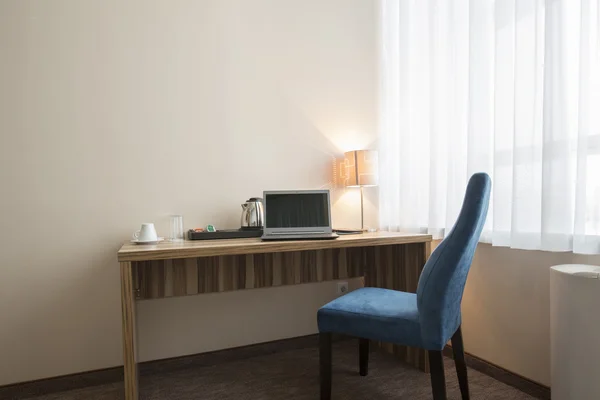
(114, 113)
(506, 308)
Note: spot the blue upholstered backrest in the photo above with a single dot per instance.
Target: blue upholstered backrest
(443, 279)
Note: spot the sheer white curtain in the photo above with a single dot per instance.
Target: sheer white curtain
(509, 87)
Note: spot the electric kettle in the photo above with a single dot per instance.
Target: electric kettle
(253, 213)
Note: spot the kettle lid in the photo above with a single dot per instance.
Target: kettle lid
(255, 199)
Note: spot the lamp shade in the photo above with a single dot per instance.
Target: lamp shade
(362, 168)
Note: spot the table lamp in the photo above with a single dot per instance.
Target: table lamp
(362, 170)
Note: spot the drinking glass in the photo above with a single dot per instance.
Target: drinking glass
(175, 228)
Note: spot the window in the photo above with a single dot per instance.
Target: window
(509, 87)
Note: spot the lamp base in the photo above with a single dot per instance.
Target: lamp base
(345, 231)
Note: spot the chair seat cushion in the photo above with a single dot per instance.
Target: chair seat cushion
(373, 313)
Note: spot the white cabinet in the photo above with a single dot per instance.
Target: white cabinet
(575, 332)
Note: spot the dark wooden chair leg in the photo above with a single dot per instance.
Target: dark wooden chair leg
(325, 364)
(363, 356)
(459, 361)
(438, 381)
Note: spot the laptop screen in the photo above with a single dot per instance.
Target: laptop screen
(297, 210)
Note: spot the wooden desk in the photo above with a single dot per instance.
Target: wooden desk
(384, 259)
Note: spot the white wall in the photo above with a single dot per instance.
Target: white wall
(506, 308)
(114, 113)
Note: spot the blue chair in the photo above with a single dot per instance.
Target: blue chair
(427, 319)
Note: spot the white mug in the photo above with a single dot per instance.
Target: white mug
(146, 234)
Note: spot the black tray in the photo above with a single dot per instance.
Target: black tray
(224, 234)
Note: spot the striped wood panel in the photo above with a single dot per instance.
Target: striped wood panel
(399, 267)
(186, 276)
(382, 265)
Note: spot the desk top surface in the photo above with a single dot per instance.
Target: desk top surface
(206, 248)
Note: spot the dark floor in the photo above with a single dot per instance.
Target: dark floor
(295, 375)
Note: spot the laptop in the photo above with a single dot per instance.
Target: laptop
(297, 214)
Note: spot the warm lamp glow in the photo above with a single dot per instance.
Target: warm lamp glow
(346, 140)
(362, 168)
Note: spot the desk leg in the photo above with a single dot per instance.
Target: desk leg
(399, 267)
(128, 319)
